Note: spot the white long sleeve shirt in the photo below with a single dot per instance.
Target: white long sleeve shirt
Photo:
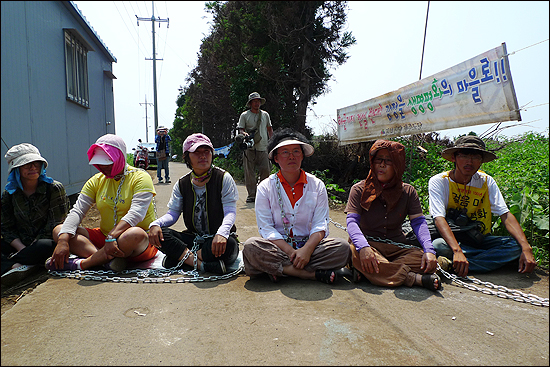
(309, 215)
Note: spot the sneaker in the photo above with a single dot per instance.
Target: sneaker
(15, 275)
(445, 264)
(168, 180)
(216, 267)
(250, 200)
(71, 265)
(117, 264)
(160, 180)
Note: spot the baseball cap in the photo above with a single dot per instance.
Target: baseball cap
(193, 141)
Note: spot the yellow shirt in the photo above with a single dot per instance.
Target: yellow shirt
(475, 200)
(104, 191)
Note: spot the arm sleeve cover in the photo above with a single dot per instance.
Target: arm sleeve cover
(167, 219)
(420, 228)
(354, 232)
(229, 216)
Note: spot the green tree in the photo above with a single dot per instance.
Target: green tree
(283, 50)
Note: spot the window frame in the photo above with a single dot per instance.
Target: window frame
(76, 68)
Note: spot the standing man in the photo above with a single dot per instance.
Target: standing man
(476, 194)
(256, 123)
(163, 153)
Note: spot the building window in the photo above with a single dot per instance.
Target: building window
(76, 67)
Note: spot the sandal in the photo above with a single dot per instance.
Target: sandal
(428, 281)
(324, 276)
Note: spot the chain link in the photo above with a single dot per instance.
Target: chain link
(115, 215)
(500, 291)
(150, 275)
(495, 290)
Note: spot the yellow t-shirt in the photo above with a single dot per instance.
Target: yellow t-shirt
(104, 191)
(475, 200)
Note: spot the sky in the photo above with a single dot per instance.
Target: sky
(386, 57)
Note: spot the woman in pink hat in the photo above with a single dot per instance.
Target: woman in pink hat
(209, 243)
(124, 197)
(32, 205)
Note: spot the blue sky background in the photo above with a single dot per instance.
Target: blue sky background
(386, 57)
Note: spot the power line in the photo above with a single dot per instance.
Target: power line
(153, 20)
(424, 43)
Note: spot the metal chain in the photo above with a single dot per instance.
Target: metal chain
(115, 216)
(150, 275)
(501, 291)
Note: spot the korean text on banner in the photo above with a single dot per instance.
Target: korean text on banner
(477, 91)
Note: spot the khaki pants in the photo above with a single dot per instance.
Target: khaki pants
(263, 256)
(253, 159)
(397, 265)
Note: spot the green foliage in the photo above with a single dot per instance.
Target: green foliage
(283, 50)
(522, 173)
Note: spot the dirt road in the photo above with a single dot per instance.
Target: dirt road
(294, 322)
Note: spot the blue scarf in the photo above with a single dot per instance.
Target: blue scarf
(14, 180)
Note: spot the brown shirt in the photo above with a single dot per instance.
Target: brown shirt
(377, 221)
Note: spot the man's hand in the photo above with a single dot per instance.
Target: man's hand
(460, 264)
(527, 262)
(369, 262)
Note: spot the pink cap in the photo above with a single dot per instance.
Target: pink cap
(193, 141)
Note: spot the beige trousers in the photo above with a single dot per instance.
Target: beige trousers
(397, 265)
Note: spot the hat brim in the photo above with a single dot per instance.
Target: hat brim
(27, 158)
(197, 145)
(262, 101)
(449, 153)
(100, 157)
(308, 149)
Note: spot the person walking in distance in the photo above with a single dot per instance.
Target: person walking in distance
(163, 153)
(256, 124)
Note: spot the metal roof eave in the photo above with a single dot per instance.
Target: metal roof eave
(73, 8)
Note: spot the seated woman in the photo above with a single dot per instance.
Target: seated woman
(207, 196)
(124, 197)
(32, 205)
(377, 207)
(292, 215)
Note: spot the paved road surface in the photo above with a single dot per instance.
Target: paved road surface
(295, 322)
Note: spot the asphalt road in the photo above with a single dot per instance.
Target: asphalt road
(243, 321)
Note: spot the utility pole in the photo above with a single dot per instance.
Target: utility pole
(146, 124)
(153, 20)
